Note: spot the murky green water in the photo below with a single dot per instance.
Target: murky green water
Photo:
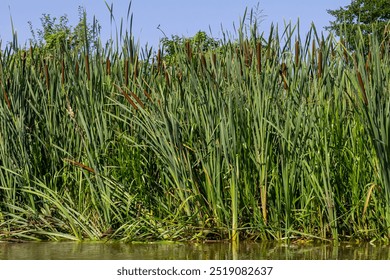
(183, 251)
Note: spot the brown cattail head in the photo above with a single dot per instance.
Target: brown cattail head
(77, 69)
(313, 52)
(127, 97)
(136, 68)
(159, 62)
(87, 67)
(148, 95)
(297, 53)
(188, 50)
(283, 73)
(23, 62)
(78, 164)
(247, 55)
(126, 75)
(137, 99)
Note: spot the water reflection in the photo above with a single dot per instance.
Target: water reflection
(190, 251)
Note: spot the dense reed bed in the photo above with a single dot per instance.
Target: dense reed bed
(282, 137)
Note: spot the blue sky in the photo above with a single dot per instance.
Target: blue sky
(177, 17)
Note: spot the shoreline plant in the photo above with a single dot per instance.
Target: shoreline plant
(281, 138)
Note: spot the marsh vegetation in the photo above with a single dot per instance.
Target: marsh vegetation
(282, 137)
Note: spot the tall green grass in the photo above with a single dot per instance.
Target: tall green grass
(264, 138)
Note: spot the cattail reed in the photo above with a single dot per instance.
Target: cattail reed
(126, 74)
(203, 62)
(136, 68)
(62, 72)
(76, 70)
(361, 84)
(368, 60)
(148, 96)
(137, 99)
(283, 73)
(268, 56)
(313, 52)
(6, 95)
(7, 99)
(127, 97)
(23, 62)
(247, 55)
(297, 53)
(167, 80)
(78, 164)
(189, 50)
(344, 50)
(214, 58)
(320, 63)
(333, 52)
(159, 60)
(87, 67)
(263, 198)
(47, 75)
(108, 66)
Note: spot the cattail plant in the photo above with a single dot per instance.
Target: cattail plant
(259, 138)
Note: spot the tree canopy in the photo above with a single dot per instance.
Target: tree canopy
(199, 42)
(368, 15)
(57, 32)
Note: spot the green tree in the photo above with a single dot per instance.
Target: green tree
(200, 42)
(56, 32)
(368, 15)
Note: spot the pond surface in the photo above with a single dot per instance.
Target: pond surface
(190, 251)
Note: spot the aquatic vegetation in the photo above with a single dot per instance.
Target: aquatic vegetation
(258, 139)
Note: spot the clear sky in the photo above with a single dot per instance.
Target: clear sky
(175, 17)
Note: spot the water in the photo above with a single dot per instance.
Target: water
(190, 251)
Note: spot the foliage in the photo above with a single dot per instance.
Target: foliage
(200, 42)
(262, 141)
(58, 33)
(368, 16)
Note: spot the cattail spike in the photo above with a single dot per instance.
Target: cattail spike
(77, 69)
(189, 50)
(127, 97)
(297, 53)
(126, 77)
(87, 67)
(76, 163)
(108, 66)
